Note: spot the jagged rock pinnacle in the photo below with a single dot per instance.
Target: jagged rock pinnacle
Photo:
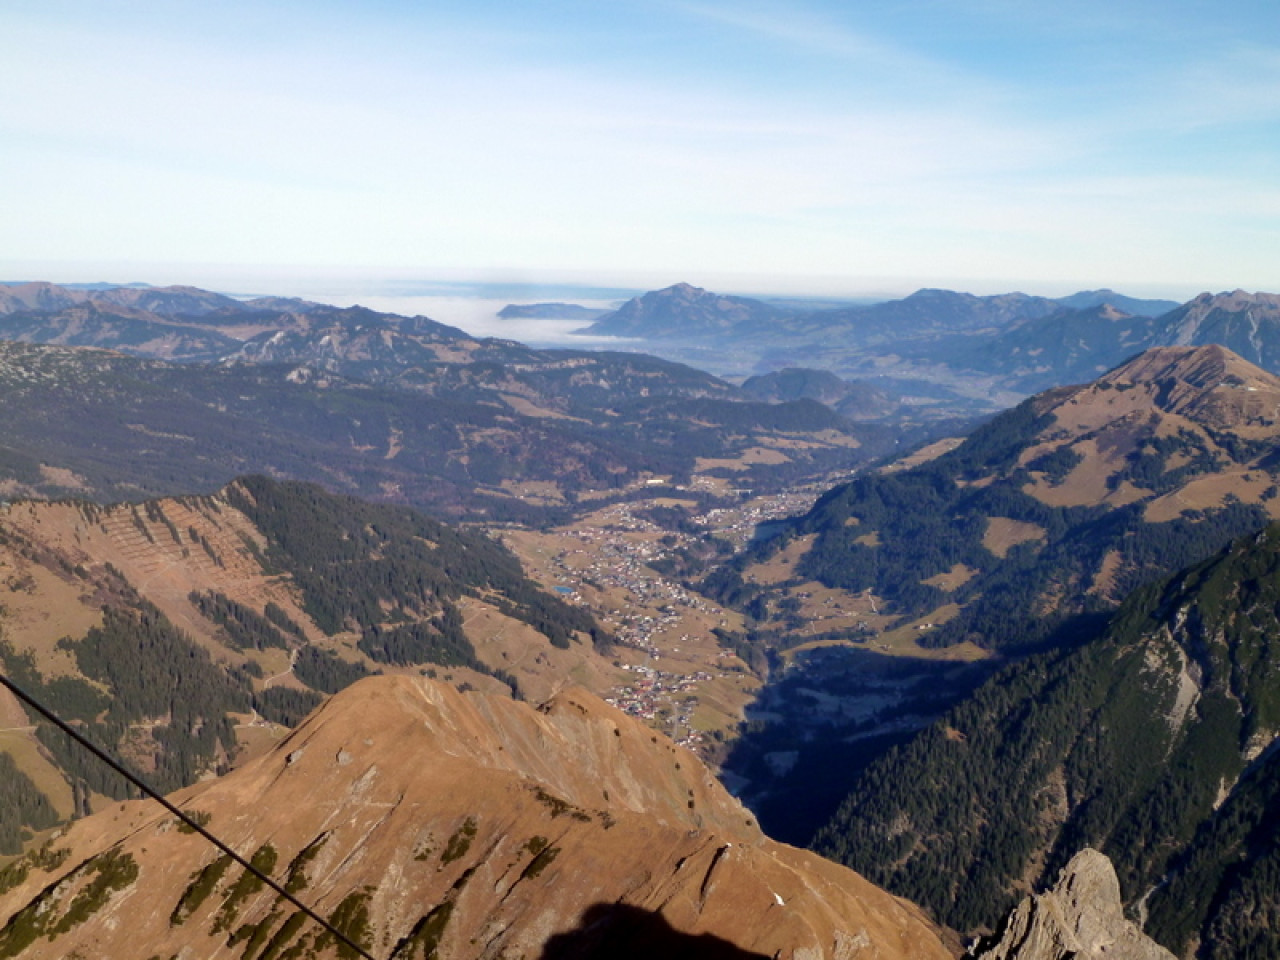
(1080, 918)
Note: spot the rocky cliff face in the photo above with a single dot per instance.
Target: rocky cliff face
(1079, 919)
(1243, 322)
(428, 823)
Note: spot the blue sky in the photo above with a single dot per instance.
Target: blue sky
(754, 146)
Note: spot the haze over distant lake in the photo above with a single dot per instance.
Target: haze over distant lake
(474, 308)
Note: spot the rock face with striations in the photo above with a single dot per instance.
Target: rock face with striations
(428, 823)
(1079, 919)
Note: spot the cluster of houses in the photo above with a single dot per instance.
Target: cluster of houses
(615, 553)
(665, 700)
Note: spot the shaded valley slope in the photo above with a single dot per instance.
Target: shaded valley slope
(903, 589)
(1155, 744)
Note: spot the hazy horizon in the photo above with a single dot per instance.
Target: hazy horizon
(473, 305)
(524, 286)
(757, 147)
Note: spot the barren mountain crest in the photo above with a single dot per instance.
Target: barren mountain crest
(425, 822)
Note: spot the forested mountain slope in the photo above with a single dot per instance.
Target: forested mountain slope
(179, 632)
(855, 400)
(1155, 744)
(1056, 508)
(500, 441)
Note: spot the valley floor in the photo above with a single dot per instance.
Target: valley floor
(672, 672)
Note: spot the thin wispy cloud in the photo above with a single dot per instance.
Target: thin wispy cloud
(795, 26)
(815, 137)
(1236, 85)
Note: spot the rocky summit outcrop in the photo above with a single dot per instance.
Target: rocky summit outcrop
(429, 823)
(1244, 322)
(1079, 919)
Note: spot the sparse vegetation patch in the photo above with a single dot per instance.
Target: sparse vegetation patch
(111, 871)
(560, 808)
(540, 863)
(247, 885)
(297, 876)
(424, 941)
(460, 842)
(203, 882)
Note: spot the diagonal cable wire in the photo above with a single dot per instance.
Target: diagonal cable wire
(156, 796)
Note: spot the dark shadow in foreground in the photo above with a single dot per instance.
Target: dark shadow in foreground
(618, 932)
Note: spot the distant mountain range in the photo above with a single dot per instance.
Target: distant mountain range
(989, 351)
(389, 407)
(1109, 298)
(936, 353)
(685, 312)
(129, 300)
(549, 311)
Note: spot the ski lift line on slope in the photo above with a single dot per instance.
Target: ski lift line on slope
(156, 796)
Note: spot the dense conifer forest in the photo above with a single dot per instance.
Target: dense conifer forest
(23, 808)
(1152, 743)
(354, 560)
(149, 695)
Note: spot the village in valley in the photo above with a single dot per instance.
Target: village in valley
(673, 672)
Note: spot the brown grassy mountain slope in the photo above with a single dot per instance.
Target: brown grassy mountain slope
(186, 633)
(1061, 505)
(432, 823)
(1178, 428)
(56, 554)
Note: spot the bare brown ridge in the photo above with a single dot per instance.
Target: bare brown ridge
(435, 823)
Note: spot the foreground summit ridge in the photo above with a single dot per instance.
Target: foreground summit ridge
(433, 823)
